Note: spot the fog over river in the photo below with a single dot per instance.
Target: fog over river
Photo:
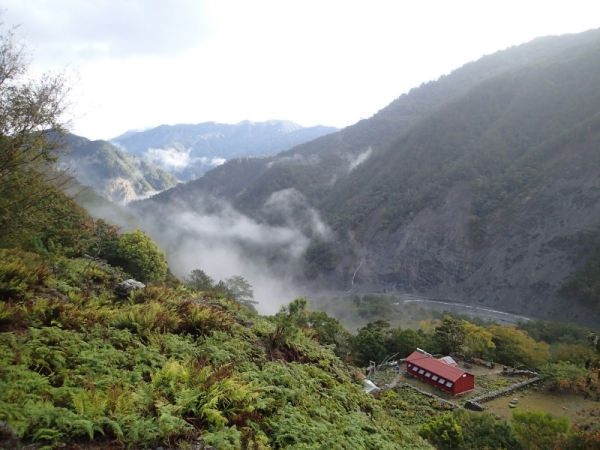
(501, 317)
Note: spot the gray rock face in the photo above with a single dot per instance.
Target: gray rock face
(533, 246)
(113, 173)
(124, 288)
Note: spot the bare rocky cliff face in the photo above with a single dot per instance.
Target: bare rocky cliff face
(533, 246)
(123, 191)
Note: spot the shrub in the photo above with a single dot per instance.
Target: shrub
(140, 256)
(19, 272)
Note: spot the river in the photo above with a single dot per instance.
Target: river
(502, 317)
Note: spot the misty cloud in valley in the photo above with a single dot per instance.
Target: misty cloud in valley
(218, 239)
(175, 161)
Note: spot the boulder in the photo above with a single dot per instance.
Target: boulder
(124, 288)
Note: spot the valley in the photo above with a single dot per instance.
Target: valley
(214, 286)
(463, 189)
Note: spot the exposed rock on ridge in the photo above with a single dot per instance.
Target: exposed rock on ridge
(534, 245)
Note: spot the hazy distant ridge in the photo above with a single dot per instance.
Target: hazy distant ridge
(113, 173)
(188, 150)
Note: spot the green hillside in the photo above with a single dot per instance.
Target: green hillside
(471, 124)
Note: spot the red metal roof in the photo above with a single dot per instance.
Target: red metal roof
(434, 366)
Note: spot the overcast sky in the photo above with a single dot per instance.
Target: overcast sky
(142, 63)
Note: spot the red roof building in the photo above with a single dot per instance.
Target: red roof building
(440, 374)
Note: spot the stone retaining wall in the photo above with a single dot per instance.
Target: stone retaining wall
(495, 394)
(517, 373)
(474, 406)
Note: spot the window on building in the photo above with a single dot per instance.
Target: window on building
(421, 371)
(415, 368)
(408, 365)
(428, 374)
(442, 381)
(449, 384)
(434, 378)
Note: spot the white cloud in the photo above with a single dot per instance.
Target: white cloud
(72, 31)
(359, 159)
(169, 158)
(213, 162)
(174, 160)
(291, 206)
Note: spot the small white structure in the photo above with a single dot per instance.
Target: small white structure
(369, 386)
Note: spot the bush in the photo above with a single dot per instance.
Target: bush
(535, 430)
(466, 430)
(443, 431)
(20, 272)
(140, 256)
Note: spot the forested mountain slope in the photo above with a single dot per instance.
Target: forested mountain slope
(480, 186)
(188, 151)
(491, 199)
(315, 166)
(113, 173)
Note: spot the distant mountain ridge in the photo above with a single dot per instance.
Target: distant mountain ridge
(189, 150)
(113, 173)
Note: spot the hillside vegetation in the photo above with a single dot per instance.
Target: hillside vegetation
(168, 365)
(501, 136)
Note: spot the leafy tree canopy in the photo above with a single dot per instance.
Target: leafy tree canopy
(31, 127)
(199, 280)
(141, 257)
(450, 335)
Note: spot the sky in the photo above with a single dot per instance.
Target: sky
(135, 64)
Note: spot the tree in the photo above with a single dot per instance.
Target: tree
(536, 430)
(594, 340)
(329, 331)
(370, 344)
(288, 321)
(594, 363)
(31, 131)
(141, 257)
(404, 342)
(478, 342)
(99, 238)
(443, 431)
(199, 280)
(450, 335)
(241, 290)
(515, 347)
